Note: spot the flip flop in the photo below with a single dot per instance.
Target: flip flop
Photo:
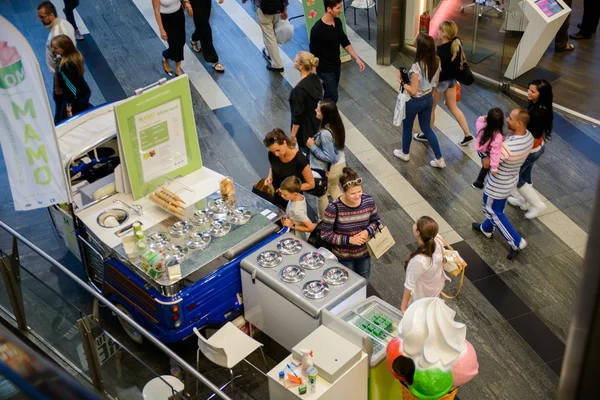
(216, 68)
(195, 46)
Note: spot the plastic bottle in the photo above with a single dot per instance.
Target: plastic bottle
(306, 362)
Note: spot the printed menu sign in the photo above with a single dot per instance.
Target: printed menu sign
(158, 135)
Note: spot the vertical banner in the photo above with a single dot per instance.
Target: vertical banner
(27, 135)
(314, 11)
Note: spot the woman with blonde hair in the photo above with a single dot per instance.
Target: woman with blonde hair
(304, 99)
(69, 77)
(450, 54)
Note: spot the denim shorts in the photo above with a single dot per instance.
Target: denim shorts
(445, 85)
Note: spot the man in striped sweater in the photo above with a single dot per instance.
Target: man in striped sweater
(515, 150)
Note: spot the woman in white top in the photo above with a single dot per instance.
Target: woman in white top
(423, 77)
(425, 275)
(171, 23)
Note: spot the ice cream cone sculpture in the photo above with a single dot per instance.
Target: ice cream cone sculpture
(431, 356)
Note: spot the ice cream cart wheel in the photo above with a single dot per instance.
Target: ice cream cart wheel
(133, 333)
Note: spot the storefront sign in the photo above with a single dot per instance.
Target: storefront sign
(26, 126)
(158, 135)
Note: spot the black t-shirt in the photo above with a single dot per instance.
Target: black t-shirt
(449, 68)
(282, 170)
(325, 42)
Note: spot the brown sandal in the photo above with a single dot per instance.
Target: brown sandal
(218, 67)
(195, 46)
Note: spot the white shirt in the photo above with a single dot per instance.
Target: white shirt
(57, 27)
(425, 276)
(297, 212)
(169, 6)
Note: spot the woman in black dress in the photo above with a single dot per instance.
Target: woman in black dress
(69, 77)
(171, 23)
(286, 161)
(203, 33)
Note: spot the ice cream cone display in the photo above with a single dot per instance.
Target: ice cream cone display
(168, 200)
(431, 356)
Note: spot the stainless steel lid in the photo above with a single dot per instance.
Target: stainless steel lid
(202, 217)
(219, 207)
(240, 216)
(289, 246)
(159, 240)
(292, 274)
(176, 251)
(315, 290)
(312, 260)
(198, 240)
(180, 229)
(269, 259)
(219, 228)
(335, 276)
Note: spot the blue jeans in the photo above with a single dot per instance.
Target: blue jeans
(422, 107)
(331, 81)
(496, 219)
(525, 172)
(361, 266)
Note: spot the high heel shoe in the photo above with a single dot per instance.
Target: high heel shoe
(170, 73)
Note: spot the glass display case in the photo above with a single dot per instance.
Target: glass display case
(377, 319)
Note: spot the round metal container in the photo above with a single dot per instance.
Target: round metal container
(219, 207)
(176, 251)
(312, 260)
(198, 240)
(269, 259)
(239, 216)
(219, 228)
(159, 240)
(335, 276)
(315, 290)
(180, 229)
(289, 246)
(292, 274)
(202, 217)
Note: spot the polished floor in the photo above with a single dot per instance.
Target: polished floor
(575, 70)
(517, 313)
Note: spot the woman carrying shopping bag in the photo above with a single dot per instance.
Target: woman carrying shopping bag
(423, 78)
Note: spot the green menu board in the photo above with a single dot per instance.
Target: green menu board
(314, 11)
(158, 135)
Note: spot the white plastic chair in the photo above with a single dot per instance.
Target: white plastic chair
(227, 348)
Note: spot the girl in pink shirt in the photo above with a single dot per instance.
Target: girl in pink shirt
(489, 143)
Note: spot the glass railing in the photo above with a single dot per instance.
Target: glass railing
(75, 325)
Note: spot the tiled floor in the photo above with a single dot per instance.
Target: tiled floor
(517, 313)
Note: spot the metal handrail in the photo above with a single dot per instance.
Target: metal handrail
(118, 312)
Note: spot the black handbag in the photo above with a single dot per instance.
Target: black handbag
(320, 184)
(464, 74)
(315, 238)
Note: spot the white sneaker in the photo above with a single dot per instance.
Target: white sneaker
(439, 163)
(404, 157)
(521, 203)
(534, 212)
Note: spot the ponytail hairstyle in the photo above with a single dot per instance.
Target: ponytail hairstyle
(494, 122)
(332, 121)
(448, 30)
(543, 106)
(428, 230)
(307, 60)
(349, 179)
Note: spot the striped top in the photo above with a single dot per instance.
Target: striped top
(340, 222)
(515, 150)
